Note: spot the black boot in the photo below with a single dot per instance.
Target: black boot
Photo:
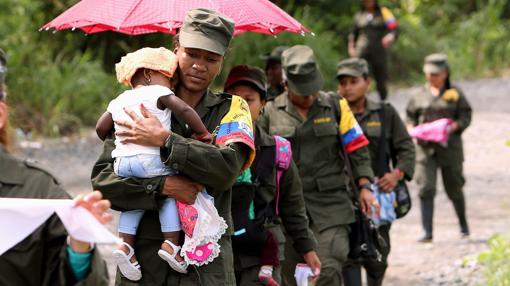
(427, 214)
(460, 210)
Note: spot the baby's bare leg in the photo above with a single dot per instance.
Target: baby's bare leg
(129, 239)
(174, 238)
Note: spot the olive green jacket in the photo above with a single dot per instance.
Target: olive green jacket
(292, 212)
(399, 144)
(425, 107)
(317, 154)
(41, 258)
(213, 166)
(367, 34)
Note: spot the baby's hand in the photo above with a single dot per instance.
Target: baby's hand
(204, 137)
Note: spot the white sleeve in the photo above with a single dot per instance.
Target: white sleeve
(112, 106)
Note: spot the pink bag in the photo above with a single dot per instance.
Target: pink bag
(203, 227)
(435, 131)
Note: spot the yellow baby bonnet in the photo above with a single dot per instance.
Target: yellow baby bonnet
(158, 59)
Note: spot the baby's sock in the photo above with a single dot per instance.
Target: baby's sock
(266, 276)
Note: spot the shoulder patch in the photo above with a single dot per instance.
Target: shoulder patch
(32, 164)
(389, 20)
(451, 95)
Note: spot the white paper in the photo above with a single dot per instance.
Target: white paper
(20, 217)
(303, 274)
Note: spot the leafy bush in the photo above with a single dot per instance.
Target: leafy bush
(497, 261)
(53, 88)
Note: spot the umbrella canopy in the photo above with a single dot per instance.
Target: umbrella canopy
(134, 17)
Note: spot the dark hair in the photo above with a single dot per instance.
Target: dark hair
(175, 40)
(364, 76)
(138, 77)
(377, 6)
(447, 83)
(252, 85)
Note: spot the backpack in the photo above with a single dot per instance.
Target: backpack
(249, 229)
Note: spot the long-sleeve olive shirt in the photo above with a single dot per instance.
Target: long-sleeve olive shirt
(317, 154)
(214, 166)
(292, 211)
(41, 258)
(399, 146)
(450, 103)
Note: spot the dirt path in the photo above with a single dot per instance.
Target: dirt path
(446, 261)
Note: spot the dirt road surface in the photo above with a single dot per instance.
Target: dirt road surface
(447, 261)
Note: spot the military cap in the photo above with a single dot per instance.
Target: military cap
(206, 30)
(301, 70)
(435, 63)
(355, 67)
(275, 54)
(254, 76)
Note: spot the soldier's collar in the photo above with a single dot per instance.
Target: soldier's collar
(322, 100)
(372, 105)
(282, 100)
(212, 99)
(9, 174)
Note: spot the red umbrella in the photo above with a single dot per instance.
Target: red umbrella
(134, 17)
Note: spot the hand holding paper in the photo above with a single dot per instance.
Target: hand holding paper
(435, 131)
(20, 217)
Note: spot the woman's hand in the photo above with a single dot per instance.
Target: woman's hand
(94, 203)
(312, 260)
(387, 40)
(367, 201)
(388, 182)
(182, 189)
(146, 130)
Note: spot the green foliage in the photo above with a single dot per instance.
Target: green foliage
(247, 47)
(59, 81)
(497, 261)
(54, 88)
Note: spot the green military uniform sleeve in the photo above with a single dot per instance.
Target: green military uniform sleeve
(412, 113)
(361, 164)
(216, 167)
(293, 211)
(401, 143)
(125, 193)
(464, 112)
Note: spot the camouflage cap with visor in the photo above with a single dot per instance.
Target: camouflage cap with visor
(435, 63)
(354, 67)
(301, 70)
(253, 76)
(206, 30)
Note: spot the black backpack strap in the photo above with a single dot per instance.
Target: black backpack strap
(381, 157)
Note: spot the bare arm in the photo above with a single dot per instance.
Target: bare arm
(184, 111)
(104, 125)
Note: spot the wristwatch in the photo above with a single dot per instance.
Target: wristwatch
(367, 186)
